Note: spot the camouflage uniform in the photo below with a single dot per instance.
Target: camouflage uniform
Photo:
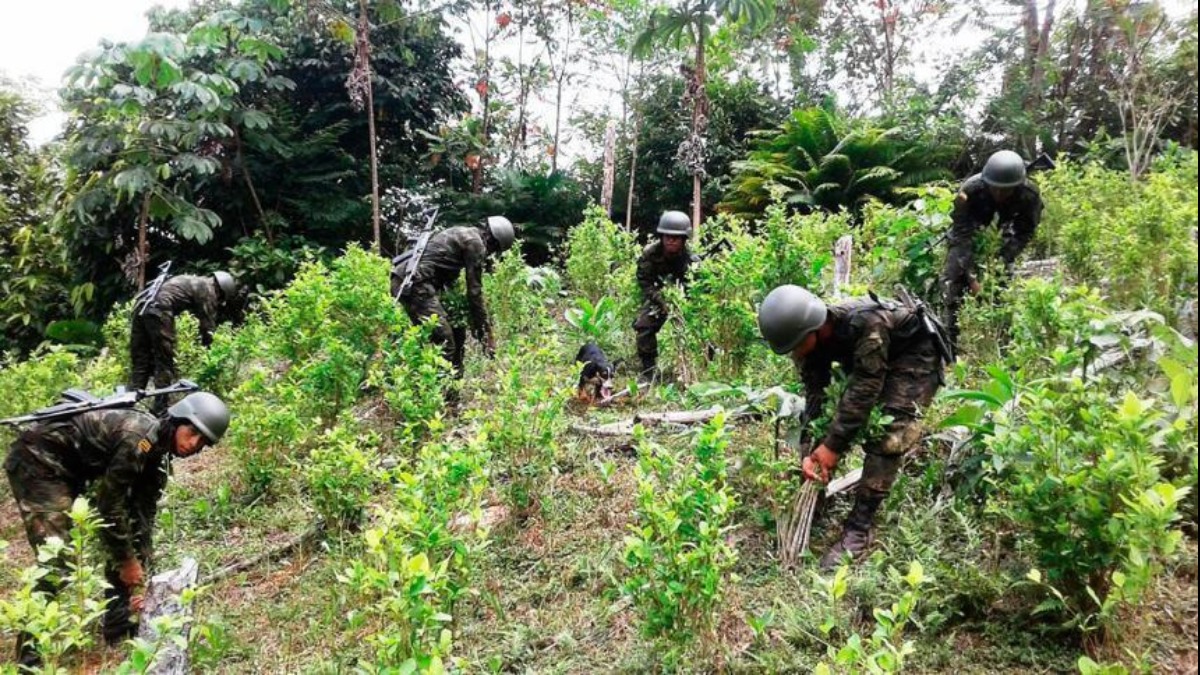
(892, 363)
(447, 253)
(152, 332)
(974, 209)
(119, 452)
(654, 270)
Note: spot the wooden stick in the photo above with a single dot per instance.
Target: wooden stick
(305, 540)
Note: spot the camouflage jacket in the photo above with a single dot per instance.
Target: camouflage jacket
(867, 337)
(458, 249)
(121, 453)
(975, 208)
(655, 269)
(189, 293)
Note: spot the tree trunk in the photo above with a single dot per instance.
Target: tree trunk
(699, 118)
(258, 209)
(484, 98)
(562, 76)
(633, 152)
(610, 160)
(364, 27)
(143, 246)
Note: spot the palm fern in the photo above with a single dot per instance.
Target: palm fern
(819, 160)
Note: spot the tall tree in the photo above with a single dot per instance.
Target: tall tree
(691, 22)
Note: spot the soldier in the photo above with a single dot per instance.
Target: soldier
(447, 253)
(893, 361)
(152, 330)
(122, 452)
(666, 260)
(1000, 192)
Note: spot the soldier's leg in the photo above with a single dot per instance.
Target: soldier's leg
(913, 379)
(163, 349)
(460, 348)
(140, 359)
(646, 326)
(954, 285)
(423, 302)
(43, 500)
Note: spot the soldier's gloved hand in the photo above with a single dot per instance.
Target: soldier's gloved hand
(819, 464)
(137, 602)
(974, 285)
(132, 574)
(489, 346)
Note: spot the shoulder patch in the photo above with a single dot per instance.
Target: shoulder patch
(144, 445)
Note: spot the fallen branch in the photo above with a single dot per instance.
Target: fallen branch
(302, 541)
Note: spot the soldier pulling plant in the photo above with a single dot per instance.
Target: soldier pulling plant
(121, 452)
(1001, 192)
(433, 264)
(152, 330)
(664, 261)
(894, 355)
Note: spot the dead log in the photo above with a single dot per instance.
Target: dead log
(306, 540)
(164, 598)
(678, 416)
(842, 251)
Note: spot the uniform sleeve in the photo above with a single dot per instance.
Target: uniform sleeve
(144, 500)
(113, 493)
(647, 279)
(862, 389)
(206, 313)
(473, 271)
(1024, 226)
(816, 378)
(960, 258)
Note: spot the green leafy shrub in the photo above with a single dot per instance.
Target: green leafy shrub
(518, 297)
(66, 622)
(885, 650)
(1078, 475)
(417, 564)
(1134, 240)
(601, 258)
(521, 419)
(676, 558)
(341, 475)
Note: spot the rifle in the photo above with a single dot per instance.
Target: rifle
(147, 295)
(413, 256)
(930, 324)
(75, 401)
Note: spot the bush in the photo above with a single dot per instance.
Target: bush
(519, 297)
(676, 557)
(1078, 475)
(341, 476)
(1136, 241)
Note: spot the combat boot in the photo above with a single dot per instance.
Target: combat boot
(27, 654)
(857, 535)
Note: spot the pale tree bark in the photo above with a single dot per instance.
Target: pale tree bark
(143, 244)
(610, 160)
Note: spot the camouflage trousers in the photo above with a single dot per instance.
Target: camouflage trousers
(44, 499)
(912, 380)
(650, 319)
(421, 302)
(152, 352)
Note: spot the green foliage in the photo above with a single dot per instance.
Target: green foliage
(1078, 473)
(416, 565)
(521, 418)
(601, 268)
(35, 286)
(1136, 241)
(65, 622)
(341, 476)
(885, 650)
(676, 558)
(819, 160)
(518, 297)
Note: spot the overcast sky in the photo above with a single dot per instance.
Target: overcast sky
(41, 39)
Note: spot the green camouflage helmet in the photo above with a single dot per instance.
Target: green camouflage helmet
(787, 315)
(1004, 169)
(226, 283)
(502, 231)
(204, 411)
(675, 223)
